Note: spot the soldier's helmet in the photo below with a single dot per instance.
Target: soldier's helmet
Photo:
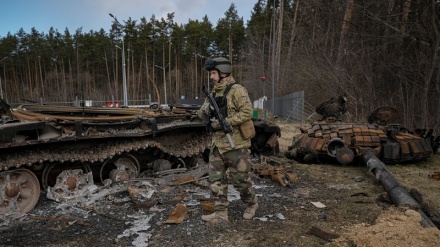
(220, 63)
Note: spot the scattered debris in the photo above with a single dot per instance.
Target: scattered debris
(65, 221)
(280, 216)
(359, 179)
(277, 173)
(141, 193)
(318, 204)
(208, 206)
(179, 214)
(324, 234)
(435, 175)
(72, 185)
(139, 229)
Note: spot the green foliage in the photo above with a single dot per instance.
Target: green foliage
(230, 34)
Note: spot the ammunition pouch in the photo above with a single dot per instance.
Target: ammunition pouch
(247, 130)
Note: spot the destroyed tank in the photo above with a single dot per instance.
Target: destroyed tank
(64, 150)
(331, 139)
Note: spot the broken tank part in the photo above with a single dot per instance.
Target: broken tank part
(65, 150)
(331, 139)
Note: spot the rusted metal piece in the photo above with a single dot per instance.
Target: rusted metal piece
(71, 185)
(322, 233)
(333, 109)
(330, 139)
(435, 175)
(383, 116)
(265, 141)
(278, 174)
(191, 175)
(179, 214)
(51, 172)
(122, 167)
(344, 155)
(143, 193)
(50, 113)
(112, 144)
(19, 191)
(272, 143)
(208, 206)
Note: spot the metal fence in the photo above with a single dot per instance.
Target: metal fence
(289, 107)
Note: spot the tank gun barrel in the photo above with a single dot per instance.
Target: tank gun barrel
(398, 195)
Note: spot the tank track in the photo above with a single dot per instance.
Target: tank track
(97, 151)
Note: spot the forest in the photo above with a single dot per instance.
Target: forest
(375, 52)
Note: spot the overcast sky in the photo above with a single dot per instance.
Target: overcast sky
(94, 14)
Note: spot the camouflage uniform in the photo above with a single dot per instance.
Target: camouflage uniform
(227, 164)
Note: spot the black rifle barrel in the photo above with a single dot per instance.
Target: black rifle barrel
(227, 128)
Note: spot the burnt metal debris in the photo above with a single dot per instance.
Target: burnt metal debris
(331, 139)
(376, 142)
(65, 150)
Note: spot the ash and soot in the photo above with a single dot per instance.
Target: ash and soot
(320, 205)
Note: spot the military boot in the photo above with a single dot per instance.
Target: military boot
(216, 217)
(249, 213)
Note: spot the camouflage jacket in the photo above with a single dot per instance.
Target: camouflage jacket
(239, 111)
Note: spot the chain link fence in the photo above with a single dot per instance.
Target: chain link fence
(291, 107)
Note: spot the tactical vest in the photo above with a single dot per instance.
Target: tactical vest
(222, 102)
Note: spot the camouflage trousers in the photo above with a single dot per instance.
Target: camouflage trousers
(230, 167)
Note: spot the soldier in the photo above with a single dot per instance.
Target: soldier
(226, 163)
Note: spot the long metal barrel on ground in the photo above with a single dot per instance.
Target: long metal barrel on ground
(398, 195)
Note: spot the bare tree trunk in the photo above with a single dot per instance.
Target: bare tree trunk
(108, 72)
(279, 43)
(405, 98)
(153, 81)
(433, 65)
(406, 8)
(345, 27)
(177, 73)
(147, 71)
(63, 72)
(30, 84)
(71, 94)
(37, 82)
(116, 74)
(293, 32)
(169, 74)
(163, 74)
(139, 89)
(196, 74)
(133, 85)
(156, 89)
(41, 77)
(78, 77)
(14, 82)
(58, 98)
(127, 72)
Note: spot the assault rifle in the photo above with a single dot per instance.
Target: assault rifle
(227, 128)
